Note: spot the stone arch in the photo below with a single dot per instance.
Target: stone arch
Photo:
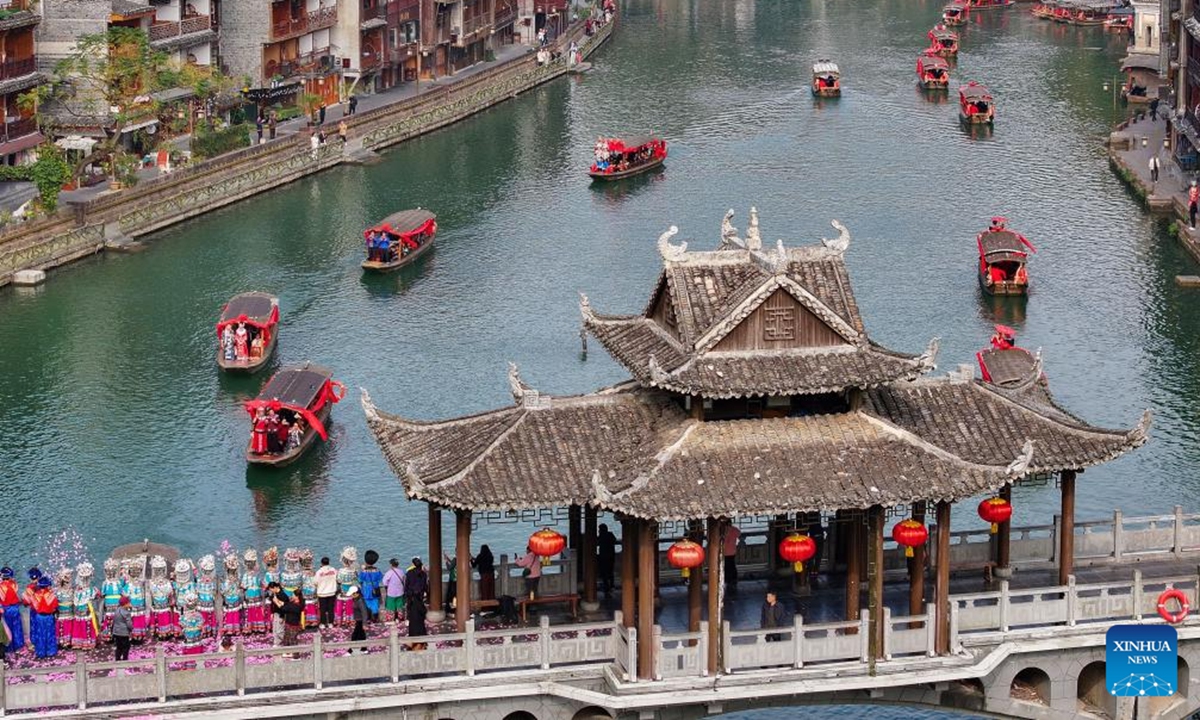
(592, 712)
(1091, 689)
(1033, 685)
(520, 715)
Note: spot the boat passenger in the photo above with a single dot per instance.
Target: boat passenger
(273, 432)
(258, 443)
(372, 246)
(241, 342)
(282, 432)
(227, 342)
(385, 248)
(997, 274)
(295, 434)
(256, 347)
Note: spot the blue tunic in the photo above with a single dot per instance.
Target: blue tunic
(44, 634)
(370, 581)
(12, 617)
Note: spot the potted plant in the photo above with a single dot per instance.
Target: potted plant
(124, 170)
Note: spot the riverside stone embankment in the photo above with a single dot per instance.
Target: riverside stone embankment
(111, 219)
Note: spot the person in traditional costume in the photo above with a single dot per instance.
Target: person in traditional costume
(183, 584)
(231, 597)
(227, 343)
(162, 617)
(256, 347)
(252, 594)
(191, 624)
(35, 574)
(132, 572)
(65, 592)
(370, 579)
(111, 589)
(295, 436)
(273, 620)
(42, 629)
(291, 578)
(10, 598)
(85, 627)
(308, 587)
(273, 444)
(241, 342)
(347, 577)
(258, 439)
(206, 594)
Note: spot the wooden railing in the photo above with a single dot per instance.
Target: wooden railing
(19, 128)
(505, 14)
(474, 24)
(318, 19)
(168, 30)
(17, 68)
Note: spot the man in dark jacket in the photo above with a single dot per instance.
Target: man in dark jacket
(361, 614)
(416, 585)
(773, 616)
(606, 557)
(122, 628)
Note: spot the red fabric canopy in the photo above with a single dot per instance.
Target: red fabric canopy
(271, 320)
(429, 227)
(327, 395)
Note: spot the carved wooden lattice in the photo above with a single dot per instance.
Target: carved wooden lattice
(779, 324)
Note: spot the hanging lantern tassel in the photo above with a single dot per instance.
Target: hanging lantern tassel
(546, 560)
(908, 551)
(685, 573)
(995, 528)
(798, 567)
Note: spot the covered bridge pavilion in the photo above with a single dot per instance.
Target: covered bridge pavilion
(756, 392)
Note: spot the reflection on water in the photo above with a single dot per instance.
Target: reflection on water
(849, 712)
(1003, 310)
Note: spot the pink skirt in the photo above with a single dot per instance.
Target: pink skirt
(343, 611)
(196, 649)
(231, 621)
(83, 635)
(139, 625)
(164, 623)
(210, 622)
(106, 625)
(256, 617)
(311, 612)
(64, 626)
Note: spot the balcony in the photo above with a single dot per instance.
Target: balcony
(318, 19)
(550, 6)
(168, 30)
(317, 62)
(505, 14)
(19, 128)
(10, 69)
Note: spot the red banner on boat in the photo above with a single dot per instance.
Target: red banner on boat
(331, 392)
(261, 325)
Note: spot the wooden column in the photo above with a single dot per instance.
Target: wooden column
(875, 579)
(462, 561)
(695, 583)
(854, 531)
(647, 561)
(714, 595)
(435, 560)
(942, 583)
(628, 571)
(1066, 527)
(589, 554)
(1004, 538)
(839, 556)
(573, 538)
(916, 578)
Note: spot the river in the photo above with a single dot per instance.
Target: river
(117, 425)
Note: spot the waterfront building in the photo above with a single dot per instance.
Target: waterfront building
(18, 73)
(756, 392)
(553, 15)
(1143, 63)
(186, 30)
(288, 45)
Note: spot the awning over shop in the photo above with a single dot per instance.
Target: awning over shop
(166, 96)
(139, 125)
(76, 142)
(25, 142)
(1140, 61)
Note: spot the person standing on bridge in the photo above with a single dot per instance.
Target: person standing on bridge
(730, 546)
(1193, 203)
(606, 557)
(325, 579)
(1154, 167)
(416, 585)
(773, 616)
(393, 588)
(121, 627)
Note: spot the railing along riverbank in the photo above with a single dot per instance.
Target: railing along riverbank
(90, 227)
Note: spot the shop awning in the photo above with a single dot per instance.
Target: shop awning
(76, 142)
(139, 125)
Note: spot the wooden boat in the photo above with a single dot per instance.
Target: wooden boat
(299, 393)
(1119, 20)
(943, 41)
(1007, 366)
(933, 71)
(399, 239)
(826, 79)
(955, 14)
(258, 313)
(619, 158)
(989, 4)
(1002, 257)
(1043, 10)
(975, 104)
(1086, 13)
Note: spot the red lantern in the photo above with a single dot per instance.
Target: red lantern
(797, 549)
(685, 555)
(995, 510)
(546, 543)
(910, 534)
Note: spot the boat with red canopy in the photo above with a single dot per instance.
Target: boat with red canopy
(826, 79)
(617, 158)
(399, 239)
(246, 332)
(290, 413)
(933, 71)
(955, 14)
(943, 41)
(989, 4)
(1007, 366)
(1002, 256)
(975, 104)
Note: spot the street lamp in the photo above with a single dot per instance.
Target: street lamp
(1114, 84)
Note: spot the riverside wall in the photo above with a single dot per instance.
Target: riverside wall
(110, 219)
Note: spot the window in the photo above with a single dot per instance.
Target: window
(779, 324)
(395, 38)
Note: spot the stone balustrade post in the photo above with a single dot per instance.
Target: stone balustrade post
(953, 627)
(239, 667)
(864, 634)
(631, 660)
(726, 647)
(798, 640)
(469, 646)
(544, 641)
(1177, 534)
(1118, 535)
(930, 635)
(1072, 600)
(657, 650)
(702, 650)
(318, 656)
(886, 651)
(81, 677)
(160, 673)
(394, 653)
(1004, 605)
(1136, 595)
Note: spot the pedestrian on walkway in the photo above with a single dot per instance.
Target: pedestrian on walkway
(730, 546)
(1153, 168)
(1193, 203)
(485, 564)
(1154, 109)
(315, 143)
(342, 131)
(361, 614)
(321, 114)
(122, 628)
(292, 611)
(353, 104)
(258, 128)
(278, 599)
(416, 587)
(772, 617)
(272, 121)
(325, 579)
(606, 557)
(393, 584)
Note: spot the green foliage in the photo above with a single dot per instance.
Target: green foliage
(125, 167)
(15, 173)
(49, 173)
(287, 113)
(210, 143)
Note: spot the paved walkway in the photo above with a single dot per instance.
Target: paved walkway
(333, 114)
(1169, 194)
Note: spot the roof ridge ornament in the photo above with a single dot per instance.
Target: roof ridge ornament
(658, 376)
(367, 406)
(522, 393)
(669, 252)
(839, 243)
(753, 237)
(1020, 465)
(729, 234)
(927, 361)
(779, 262)
(585, 309)
(1139, 433)
(600, 491)
(1035, 372)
